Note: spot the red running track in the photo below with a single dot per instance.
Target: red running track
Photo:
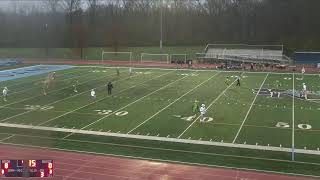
(76, 166)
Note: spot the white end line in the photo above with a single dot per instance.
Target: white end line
(245, 118)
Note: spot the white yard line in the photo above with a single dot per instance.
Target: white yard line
(163, 87)
(293, 123)
(7, 137)
(245, 118)
(52, 119)
(218, 97)
(35, 87)
(171, 103)
(32, 81)
(153, 138)
(54, 101)
(57, 90)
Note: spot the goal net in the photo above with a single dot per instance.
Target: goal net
(178, 58)
(147, 57)
(116, 56)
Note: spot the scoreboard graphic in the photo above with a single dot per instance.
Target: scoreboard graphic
(26, 168)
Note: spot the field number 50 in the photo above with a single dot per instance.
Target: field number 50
(300, 126)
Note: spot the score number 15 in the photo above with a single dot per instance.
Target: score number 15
(32, 163)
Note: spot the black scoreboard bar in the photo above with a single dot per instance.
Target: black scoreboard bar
(26, 168)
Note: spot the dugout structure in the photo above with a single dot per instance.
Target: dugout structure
(243, 53)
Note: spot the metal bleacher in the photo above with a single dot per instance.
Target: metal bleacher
(245, 53)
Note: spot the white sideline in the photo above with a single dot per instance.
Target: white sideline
(171, 103)
(293, 123)
(218, 97)
(245, 118)
(2, 120)
(163, 87)
(52, 119)
(164, 139)
(210, 70)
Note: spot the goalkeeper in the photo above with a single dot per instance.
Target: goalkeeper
(195, 107)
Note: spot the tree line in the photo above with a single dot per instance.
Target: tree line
(117, 23)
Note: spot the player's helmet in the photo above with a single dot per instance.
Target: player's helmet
(203, 105)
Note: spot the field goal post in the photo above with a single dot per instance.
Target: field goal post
(149, 57)
(174, 57)
(115, 55)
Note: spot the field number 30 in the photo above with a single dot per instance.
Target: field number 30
(106, 112)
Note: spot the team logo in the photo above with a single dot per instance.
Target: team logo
(312, 95)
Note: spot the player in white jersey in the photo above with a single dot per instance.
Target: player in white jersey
(93, 94)
(303, 70)
(5, 93)
(202, 112)
(304, 90)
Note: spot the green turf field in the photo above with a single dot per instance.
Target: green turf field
(149, 115)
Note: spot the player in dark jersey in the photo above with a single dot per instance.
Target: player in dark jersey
(238, 80)
(109, 87)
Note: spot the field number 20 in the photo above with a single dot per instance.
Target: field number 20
(286, 125)
(106, 112)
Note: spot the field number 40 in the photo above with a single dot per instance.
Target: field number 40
(300, 126)
(191, 118)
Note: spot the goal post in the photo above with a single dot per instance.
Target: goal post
(116, 56)
(149, 57)
(178, 58)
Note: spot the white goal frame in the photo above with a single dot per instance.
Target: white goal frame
(150, 54)
(110, 52)
(185, 57)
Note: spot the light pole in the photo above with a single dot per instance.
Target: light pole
(161, 4)
(47, 41)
